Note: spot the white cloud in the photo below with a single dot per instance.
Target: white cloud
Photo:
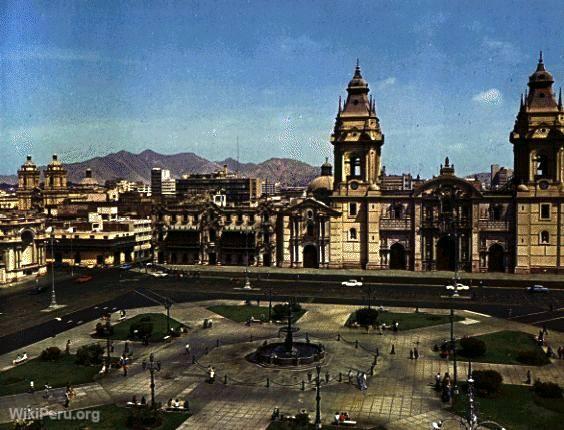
(501, 50)
(60, 54)
(492, 96)
(385, 83)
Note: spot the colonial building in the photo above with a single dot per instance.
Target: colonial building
(22, 246)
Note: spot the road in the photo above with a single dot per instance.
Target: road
(22, 321)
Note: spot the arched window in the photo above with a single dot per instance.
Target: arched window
(544, 237)
(310, 214)
(542, 166)
(352, 234)
(355, 165)
(496, 213)
(397, 211)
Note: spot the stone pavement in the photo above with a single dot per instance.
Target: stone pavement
(399, 396)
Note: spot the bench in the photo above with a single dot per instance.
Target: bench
(20, 359)
(175, 409)
(255, 320)
(346, 423)
(167, 338)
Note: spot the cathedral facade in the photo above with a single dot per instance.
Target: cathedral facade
(350, 218)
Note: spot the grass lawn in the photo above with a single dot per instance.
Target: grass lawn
(504, 346)
(411, 320)
(517, 407)
(56, 374)
(241, 313)
(121, 330)
(111, 417)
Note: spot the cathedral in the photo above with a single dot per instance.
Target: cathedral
(350, 219)
(448, 223)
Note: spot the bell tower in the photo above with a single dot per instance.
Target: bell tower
(538, 150)
(28, 182)
(357, 142)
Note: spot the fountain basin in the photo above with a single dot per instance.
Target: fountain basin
(301, 353)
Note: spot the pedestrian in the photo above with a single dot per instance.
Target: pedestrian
(544, 329)
(350, 374)
(364, 382)
(31, 386)
(528, 381)
(67, 399)
(411, 354)
(438, 381)
(187, 349)
(416, 353)
(67, 347)
(393, 351)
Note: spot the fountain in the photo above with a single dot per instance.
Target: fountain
(289, 352)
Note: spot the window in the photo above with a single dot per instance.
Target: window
(542, 168)
(545, 211)
(397, 211)
(309, 229)
(496, 213)
(310, 214)
(544, 238)
(353, 209)
(355, 165)
(352, 234)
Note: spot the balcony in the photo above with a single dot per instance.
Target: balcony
(395, 224)
(488, 225)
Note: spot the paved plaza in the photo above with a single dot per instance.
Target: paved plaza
(399, 394)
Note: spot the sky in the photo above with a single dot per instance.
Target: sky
(86, 78)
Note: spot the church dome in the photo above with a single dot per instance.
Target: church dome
(321, 183)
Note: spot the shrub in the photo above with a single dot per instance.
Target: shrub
(548, 390)
(144, 328)
(280, 311)
(89, 355)
(366, 316)
(51, 354)
(143, 418)
(532, 358)
(487, 382)
(472, 347)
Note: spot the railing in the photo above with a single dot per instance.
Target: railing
(395, 224)
(494, 225)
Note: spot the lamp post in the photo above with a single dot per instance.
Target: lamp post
(269, 304)
(152, 366)
(108, 345)
(317, 398)
(71, 231)
(454, 292)
(471, 421)
(51, 231)
(167, 305)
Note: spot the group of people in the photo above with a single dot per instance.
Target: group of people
(360, 379)
(414, 354)
(341, 417)
(177, 404)
(69, 395)
(443, 385)
(135, 402)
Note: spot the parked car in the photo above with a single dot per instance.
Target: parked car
(537, 289)
(125, 266)
(159, 274)
(351, 283)
(84, 278)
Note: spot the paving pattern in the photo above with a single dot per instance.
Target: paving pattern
(399, 395)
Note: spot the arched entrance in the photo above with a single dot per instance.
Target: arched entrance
(398, 258)
(446, 249)
(496, 258)
(310, 257)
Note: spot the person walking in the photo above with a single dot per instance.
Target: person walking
(67, 347)
(187, 349)
(438, 381)
(416, 353)
(529, 377)
(350, 374)
(411, 354)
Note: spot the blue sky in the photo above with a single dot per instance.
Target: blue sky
(85, 78)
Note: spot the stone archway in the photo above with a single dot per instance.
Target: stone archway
(310, 257)
(496, 258)
(446, 249)
(398, 257)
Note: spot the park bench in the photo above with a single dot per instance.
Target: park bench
(20, 359)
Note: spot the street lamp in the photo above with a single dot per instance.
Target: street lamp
(317, 398)
(167, 305)
(53, 305)
(454, 291)
(152, 366)
(471, 421)
(71, 231)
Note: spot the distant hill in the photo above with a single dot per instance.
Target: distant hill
(137, 167)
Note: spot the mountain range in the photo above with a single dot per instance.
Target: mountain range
(137, 167)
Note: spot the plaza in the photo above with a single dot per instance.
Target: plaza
(400, 391)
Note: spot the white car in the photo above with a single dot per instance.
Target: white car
(537, 289)
(159, 274)
(351, 283)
